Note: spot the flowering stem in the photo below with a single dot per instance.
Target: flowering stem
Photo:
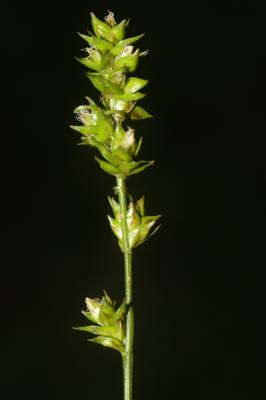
(128, 354)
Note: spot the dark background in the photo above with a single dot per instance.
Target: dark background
(199, 284)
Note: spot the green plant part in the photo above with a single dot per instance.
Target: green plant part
(111, 59)
(110, 329)
(139, 225)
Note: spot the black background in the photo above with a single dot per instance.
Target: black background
(199, 283)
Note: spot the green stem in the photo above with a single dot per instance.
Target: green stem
(128, 355)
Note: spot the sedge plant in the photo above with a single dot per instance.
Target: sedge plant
(111, 60)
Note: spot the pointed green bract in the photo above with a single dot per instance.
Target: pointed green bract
(123, 43)
(134, 84)
(101, 29)
(119, 30)
(107, 87)
(128, 62)
(109, 342)
(128, 41)
(99, 44)
(107, 167)
(139, 113)
(130, 96)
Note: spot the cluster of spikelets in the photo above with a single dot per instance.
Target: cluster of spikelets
(109, 326)
(139, 225)
(112, 58)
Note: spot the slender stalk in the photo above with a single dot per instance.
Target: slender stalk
(128, 355)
